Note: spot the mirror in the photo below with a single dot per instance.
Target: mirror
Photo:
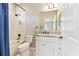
(50, 21)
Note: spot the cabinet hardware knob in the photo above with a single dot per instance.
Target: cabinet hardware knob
(59, 48)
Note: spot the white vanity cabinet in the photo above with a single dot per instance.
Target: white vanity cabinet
(48, 46)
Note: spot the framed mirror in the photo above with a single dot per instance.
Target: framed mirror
(50, 21)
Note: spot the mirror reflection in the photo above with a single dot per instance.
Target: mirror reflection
(49, 23)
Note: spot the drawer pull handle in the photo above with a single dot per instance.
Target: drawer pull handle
(44, 44)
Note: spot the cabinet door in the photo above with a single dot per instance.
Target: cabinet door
(57, 49)
(45, 49)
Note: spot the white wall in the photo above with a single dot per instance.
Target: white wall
(12, 30)
(21, 27)
(32, 19)
(31, 22)
(15, 28)
(70, 29)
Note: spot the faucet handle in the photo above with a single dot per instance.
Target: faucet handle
(61, 37)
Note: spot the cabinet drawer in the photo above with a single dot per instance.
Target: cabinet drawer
(47, 44)
(44, 49)
(43, 43)
(48, 39)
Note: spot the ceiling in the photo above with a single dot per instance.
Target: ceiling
(35, 7)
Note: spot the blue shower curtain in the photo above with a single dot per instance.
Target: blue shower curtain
(4, 30)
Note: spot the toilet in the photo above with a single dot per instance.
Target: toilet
(24, 48)
(29, 38)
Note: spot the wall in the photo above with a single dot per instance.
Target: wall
(70, 29)
(12, 29)
(16, 27)
(31, 22)
(21, 23)
(32, 19)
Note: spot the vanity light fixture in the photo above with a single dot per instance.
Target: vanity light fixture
(50, 6)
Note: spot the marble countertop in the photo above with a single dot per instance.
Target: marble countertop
(49, 35)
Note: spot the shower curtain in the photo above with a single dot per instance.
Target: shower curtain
(4, 30)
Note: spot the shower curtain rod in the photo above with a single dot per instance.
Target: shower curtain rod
(21, 7)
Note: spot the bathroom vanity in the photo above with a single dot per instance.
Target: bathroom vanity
(49, 39)
(48, 45)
